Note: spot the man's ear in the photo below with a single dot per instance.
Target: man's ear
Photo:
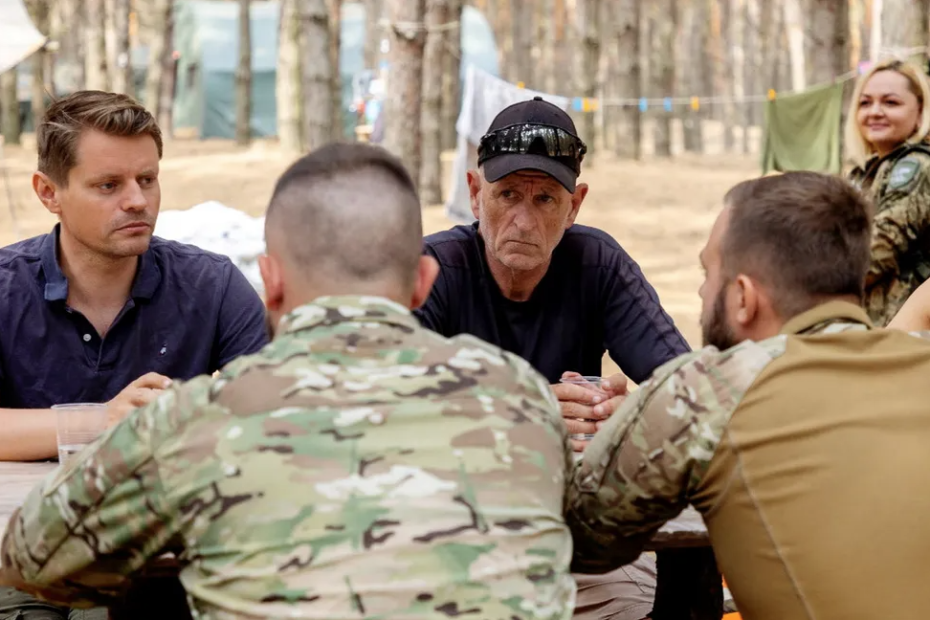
(474, 190)
(47, 191)
(748, 299)
(272, 272)
(427, 272)
(581, 190)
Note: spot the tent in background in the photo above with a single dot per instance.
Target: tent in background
(19, 39)
(207, 37)
(18, 36)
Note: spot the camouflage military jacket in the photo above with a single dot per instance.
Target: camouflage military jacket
(359, 466)
(899, 186)
(785, 446)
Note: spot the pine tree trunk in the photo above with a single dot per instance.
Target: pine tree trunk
(39, 12)
(854, 8)
(904, 28)
(95, 55)
(693, 34)
(629, 140)
(244, 77)
(752, 115)
(335, 21)
(451, 76)
(662, 70)
(727, 106)
(829, 33)
(437, 14)
(521, 20)
(316, 74)
(794, 25)
(159, 41)
(166, 87)
(287, 78)
(547, 63)
(567, 46)
(874, 19)
(405, 83)
(603, 85)
(117, 44)
(737, 27)
(717, 55)
(373, 33)
(586, 73)
(769, 23)
(9, 107)
(503, 32)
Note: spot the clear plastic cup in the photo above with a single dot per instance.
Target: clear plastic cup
(79, 424)
(593, 383)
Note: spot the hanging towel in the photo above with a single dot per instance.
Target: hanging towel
(802, 131)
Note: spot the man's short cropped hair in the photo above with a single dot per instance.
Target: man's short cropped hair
(348, 211)
(805, 235)
(114, 114)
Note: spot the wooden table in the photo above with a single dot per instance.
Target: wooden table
(16, 480)
(688, 588)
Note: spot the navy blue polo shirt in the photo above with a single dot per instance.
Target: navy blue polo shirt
(594, 298)
(189, 313)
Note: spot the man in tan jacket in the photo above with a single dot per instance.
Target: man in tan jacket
(800, 433)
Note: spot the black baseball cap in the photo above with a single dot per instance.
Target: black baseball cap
(532, 135)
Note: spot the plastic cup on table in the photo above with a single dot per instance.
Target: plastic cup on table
(592, 383)
(78, 424)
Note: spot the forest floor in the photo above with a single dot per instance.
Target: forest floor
(660, 211)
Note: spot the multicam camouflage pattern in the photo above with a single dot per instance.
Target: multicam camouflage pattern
(899, 186)
(358, 467)
(646, 463)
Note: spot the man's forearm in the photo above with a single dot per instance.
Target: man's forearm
(28, 435)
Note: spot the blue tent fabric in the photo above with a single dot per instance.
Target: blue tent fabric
(206, 36)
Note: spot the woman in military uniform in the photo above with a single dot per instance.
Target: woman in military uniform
(886, 135)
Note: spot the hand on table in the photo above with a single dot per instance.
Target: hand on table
(585, 409)
(140, 392)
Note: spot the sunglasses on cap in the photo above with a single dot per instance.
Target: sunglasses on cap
(532, 139)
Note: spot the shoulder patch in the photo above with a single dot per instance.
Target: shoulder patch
(903, 173)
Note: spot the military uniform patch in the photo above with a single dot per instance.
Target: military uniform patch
(903, 173)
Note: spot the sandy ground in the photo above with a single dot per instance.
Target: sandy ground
(659, 210)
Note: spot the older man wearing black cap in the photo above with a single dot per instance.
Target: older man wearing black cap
(528, 279)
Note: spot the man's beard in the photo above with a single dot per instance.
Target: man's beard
(716, 331)
(270, 325)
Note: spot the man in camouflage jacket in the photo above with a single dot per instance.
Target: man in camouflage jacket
(789, 433)
(359, 466)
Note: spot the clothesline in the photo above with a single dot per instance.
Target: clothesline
(587, 104)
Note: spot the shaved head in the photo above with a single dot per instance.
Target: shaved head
(347, 215)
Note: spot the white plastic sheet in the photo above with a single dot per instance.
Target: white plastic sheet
(484, 96)
(214, 227)
(18, 36)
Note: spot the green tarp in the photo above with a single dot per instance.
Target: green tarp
(802, 131)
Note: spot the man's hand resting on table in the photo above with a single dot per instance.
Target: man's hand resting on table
(140, 392)
(580, 403)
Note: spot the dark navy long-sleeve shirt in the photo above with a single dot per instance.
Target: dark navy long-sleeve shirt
(594, 298)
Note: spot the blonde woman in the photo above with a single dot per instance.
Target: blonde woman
(886, 135)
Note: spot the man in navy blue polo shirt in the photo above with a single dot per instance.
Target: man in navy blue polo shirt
(528, 279)
(98, 310)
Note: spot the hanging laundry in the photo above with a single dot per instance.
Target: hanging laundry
(802, 131)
